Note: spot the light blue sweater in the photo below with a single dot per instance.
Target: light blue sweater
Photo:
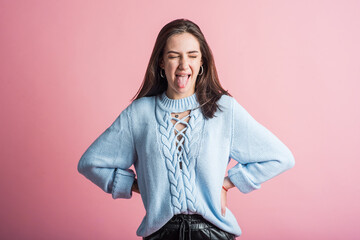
(144, 135)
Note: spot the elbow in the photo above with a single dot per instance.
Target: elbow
(81, 167)
(285, 161)
(288, 161)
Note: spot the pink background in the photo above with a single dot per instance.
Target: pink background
(68, 68)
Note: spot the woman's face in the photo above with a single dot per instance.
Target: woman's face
(181, 61)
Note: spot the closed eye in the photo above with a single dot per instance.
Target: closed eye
(178, 56)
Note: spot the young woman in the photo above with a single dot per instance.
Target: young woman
(180, 132)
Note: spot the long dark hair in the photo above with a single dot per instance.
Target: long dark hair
(207, 87)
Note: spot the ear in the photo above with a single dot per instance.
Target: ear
(161, 63)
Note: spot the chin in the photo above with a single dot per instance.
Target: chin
(187, 91)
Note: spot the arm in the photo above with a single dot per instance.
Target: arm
(259, 153)
(107, 161)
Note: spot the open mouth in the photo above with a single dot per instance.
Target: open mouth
(183, 75)
(182, 80)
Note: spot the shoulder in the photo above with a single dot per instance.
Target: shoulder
(226, 102)
(225, 99)
(142, 105)
(230, 104)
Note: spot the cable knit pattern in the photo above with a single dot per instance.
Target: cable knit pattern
(170, 155)
(182, 181)
(146, 135)
(191, 147)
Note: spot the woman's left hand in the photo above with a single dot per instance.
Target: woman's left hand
(227, 184)
(223, 201)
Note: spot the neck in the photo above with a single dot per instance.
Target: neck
(173, 95)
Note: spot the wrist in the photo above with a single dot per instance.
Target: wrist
(227, 184)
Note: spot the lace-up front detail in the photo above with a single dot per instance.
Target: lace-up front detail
(180, 125)
(179, 143)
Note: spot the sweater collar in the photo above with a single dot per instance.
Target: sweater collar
(177, 105)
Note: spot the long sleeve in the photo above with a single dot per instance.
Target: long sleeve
(107, 161)
(259, 153)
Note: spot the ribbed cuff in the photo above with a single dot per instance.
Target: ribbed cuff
(123, 182)
(240, 180)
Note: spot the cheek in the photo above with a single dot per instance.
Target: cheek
(196, 64)
(196, 67)
(170, 67)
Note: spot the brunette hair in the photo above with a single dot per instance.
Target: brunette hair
(207, 87)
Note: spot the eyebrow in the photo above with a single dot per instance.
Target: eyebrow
(194, 51)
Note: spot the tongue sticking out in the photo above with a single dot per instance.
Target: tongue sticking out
(181, 81)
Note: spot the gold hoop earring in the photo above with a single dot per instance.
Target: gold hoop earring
(161, 74)
(202, 70)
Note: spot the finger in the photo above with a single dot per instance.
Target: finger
(223, 211)
(224, 205)
(223, 208)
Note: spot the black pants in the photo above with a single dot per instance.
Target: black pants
(190, 227)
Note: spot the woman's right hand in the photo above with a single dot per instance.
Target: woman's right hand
(135, 187)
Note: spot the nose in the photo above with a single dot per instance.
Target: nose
(183, 63)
